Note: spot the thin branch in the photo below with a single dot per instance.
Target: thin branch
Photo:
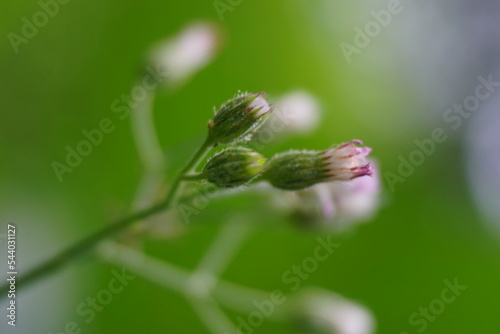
(157, 271)
(224, 247)
(244, 299)
(152, 158)
(212, 316)
(83, 246)
(199, 286)
(144, 132)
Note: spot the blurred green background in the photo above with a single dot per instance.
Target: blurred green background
(65, 79)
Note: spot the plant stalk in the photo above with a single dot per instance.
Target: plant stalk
(83, 246)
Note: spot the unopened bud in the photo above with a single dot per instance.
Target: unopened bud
(239, 118)
(234, 167)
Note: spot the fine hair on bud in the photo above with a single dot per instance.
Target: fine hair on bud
(296, 170)
(233, 167)
(237, 119)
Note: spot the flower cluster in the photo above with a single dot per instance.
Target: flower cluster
(239, 118)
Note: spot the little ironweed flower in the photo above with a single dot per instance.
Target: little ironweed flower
(296, 170)
(337, 205)
(350, 201)
(237, 119)
(233, 167)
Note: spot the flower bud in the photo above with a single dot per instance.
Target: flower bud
(298, 111)
(322, 311)
(349, 202)
(296, 170)
(239, 118)
(179, 57)
(233, 167)
(336, 206)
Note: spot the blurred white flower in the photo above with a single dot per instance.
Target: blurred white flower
(189, 51)
(295, 112)
(483, 160)
(328, 312)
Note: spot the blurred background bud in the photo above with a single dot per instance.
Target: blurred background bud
(483, 159)
(321, 311)
(296, 112)
(179, 57)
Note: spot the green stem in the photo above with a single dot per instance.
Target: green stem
(230, 295)
(213, 317)
(224, 247)
(176, 187)
(83, 246)
(144, 132)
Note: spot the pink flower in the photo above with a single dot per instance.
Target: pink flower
(348, 161)
(349, 202)
(260, 104)
(338, 205)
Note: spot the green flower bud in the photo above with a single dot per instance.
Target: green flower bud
(296, 170)
(239, 118)
(234, 167)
